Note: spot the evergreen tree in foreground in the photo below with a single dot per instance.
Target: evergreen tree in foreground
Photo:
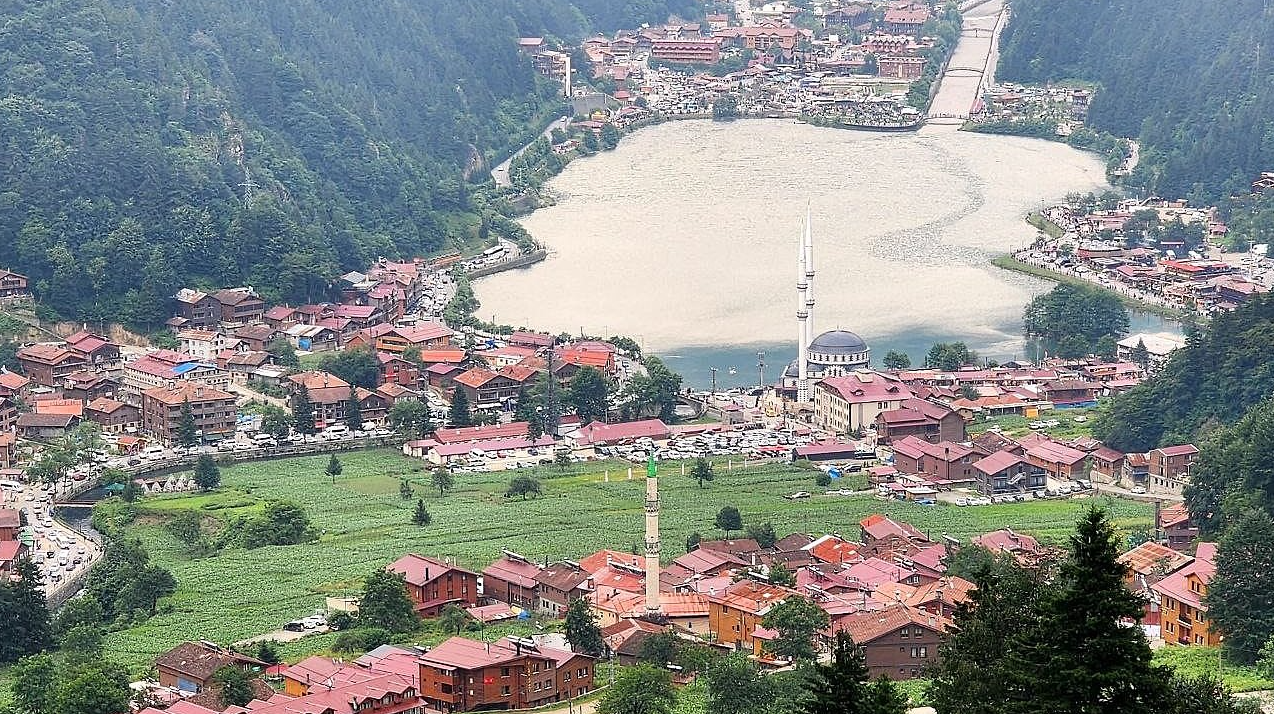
(207, 475)
(1241, 596)
(25, 615)
(841, 687)
(1089, 655)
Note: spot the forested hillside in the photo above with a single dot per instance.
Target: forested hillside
(1182, 75)
(1221, 372)
(146, 145)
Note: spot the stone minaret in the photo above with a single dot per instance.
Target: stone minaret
(652, 539)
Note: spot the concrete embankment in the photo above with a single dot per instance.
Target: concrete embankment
(520, 262)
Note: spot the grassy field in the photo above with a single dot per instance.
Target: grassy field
(364, 525)
(1016, 425)
(1197, 661)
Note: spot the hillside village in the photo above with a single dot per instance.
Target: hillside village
(927, 436)
(851, 64)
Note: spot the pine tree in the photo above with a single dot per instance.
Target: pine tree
(972, 673)
(334, 468)
(404, 490)
(1239, 595)
(701, 471)
(841, 686)
(1084, 658)
(187, 430)
(27, 627)
(303, 411)
(421, 517)
(353, 412)
(460, 415)
(207, 475)
(582, 630)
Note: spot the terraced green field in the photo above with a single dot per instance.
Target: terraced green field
(364, 525)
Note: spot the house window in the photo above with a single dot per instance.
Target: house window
(924, 652)
(915, 652)
(904, 633)
(504, 671)
(504, 691)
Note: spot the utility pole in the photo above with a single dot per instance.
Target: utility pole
(760, 369)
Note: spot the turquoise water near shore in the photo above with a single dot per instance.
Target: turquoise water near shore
(695, 363)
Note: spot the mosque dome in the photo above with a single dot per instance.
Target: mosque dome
(838, 342)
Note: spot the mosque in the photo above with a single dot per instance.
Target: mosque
(831, 354)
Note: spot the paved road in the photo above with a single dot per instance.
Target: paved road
(501, 173)
(52, 537)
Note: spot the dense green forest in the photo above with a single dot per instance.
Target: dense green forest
(1181, 75)
(1223, 370)
(148, 145)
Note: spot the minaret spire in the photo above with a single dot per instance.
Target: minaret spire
(802, 318)
(809, 277)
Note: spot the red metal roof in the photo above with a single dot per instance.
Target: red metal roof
(420, 570)
(481, 433)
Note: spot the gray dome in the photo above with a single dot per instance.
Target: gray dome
(838, 342)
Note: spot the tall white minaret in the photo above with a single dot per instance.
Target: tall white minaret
(802, 319)
(652, 539)
(809, 278)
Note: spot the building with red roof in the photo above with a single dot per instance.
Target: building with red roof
(887, 538)
(834, 550)
(1147, 565)
(1183, 608)
(923, 419)
(735, 613)
(433, 584)
(945, 461)
(1169, 470)
(846, 404)
(511, 579)
(1179, 530)
(466, 434)
(560, 584)
(600, 434)
(898, 642)
(1024, 548)
(906, 21)
(1106, 464)
(214, 411)
(1057, 459)
(464, 675)
(1007, 472)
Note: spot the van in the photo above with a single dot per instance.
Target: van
(336, 430)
